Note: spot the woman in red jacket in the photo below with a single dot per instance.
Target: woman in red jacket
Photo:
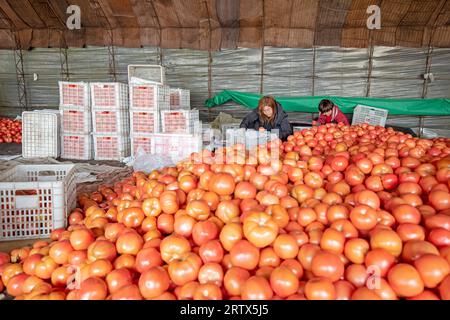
(329, 113)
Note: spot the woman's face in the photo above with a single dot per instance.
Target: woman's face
(327, 113)
(268, 112)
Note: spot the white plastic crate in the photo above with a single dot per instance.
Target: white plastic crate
(300, 128)
(76, 120)
(224, 127)
(139, 73)
(180, 121)
(141, 141)
(109, 95)
(111, 147)
(77, 147)
(370, 115)
(73, 94)
(180, 99)
(35, 199)
(177, 146)
(144, 121)
(40, 134)
(151, 97)
(110, 121)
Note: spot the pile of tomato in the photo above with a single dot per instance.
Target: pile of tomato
(343, 212)
(10, 130)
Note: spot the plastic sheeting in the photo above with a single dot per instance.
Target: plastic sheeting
(397, 73)
(288, 71)
(341, 72)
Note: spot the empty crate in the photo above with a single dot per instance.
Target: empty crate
(75, 120)
(77, 147)
(138, 73)
(35, 200)
(180, 99)
(40, 134)
(149, 97)
(370, 115)
(180, 121)
(73, 94)
(144, 121)
(111, 147)
(109, 95)
(110, 121)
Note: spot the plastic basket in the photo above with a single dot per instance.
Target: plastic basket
(138, 73)
(370, 115)
(110, 95)
(180, 121)
(141, 141)
(40, 134)
(144, 121)
(177, 146)
(77, 147)
(73, 94)
(224, 127)
(180, 99)
(151, 97)
(111, 147)
(75, 120)
(35, 199)
(110, 121)
(300, 128)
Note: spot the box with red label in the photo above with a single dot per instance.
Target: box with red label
(142, 142)
(144, 121)
(180, 99)
(111, 146)
(73, 94)
(76, 120)
(110, 121)
(180, 121)
(149, 97)
(109, 95)
(77, 147)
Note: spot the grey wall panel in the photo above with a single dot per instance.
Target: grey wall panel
(89, 64)
(341, 71)
(237, 69)
(45, 63)
(188, 69)
(288, 72)
(397, 72)
(440, 67)
(8, 80)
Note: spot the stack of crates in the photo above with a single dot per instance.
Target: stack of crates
(76, 122)
(110, 122)
(147, 101)
(180, 99)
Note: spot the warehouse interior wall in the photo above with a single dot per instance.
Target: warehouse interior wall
(389, 72)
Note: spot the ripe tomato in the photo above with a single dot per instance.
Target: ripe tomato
(327, 265)
(260, 229)
(234, 279)
(222, 184)
(432, 269)
(405, 280)
(256, 288)
(320, 289)
(388, 240)
(153, 282)
(244, 255)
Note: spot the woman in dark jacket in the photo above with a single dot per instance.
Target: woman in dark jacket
(269, 115)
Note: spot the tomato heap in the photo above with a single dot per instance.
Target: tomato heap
(344, 212)
(10, 130)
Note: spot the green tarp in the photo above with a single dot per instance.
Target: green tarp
(418, 107)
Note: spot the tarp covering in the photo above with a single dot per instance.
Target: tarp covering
(419, 107)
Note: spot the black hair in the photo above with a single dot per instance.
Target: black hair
(325, 105)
